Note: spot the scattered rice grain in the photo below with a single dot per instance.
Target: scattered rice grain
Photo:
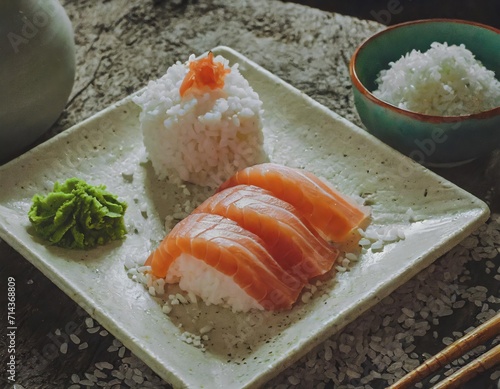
(87, 383)
(63, 348)
(75, 339)
(93, 330)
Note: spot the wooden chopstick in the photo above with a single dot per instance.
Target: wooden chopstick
(478, 365)
(481, 334)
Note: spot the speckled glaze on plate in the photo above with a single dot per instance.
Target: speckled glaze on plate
(244, 350)
(443, 141)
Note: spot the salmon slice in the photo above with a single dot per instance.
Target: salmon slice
(335, 216)
(231, 250)
(288, 237)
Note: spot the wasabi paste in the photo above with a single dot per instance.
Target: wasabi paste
(78, 215)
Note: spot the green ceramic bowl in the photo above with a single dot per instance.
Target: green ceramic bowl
(432, 140)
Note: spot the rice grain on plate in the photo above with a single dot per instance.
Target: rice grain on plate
(444, 80)
(208, 133)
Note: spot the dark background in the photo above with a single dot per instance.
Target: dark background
(390, 12)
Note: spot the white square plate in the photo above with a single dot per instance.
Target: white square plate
(244, 350)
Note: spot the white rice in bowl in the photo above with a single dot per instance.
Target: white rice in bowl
(204, 137)
(446, 80)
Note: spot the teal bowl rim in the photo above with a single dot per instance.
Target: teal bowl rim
(415, 115)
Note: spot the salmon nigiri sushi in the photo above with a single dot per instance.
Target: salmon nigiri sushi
(259, 240)
(287, 236)
(334, 215)
(223, 263)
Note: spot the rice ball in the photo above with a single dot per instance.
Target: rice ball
(201, 122)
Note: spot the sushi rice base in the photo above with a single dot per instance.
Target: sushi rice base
(214, 287)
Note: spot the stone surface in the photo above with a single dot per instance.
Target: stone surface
(123, 44)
